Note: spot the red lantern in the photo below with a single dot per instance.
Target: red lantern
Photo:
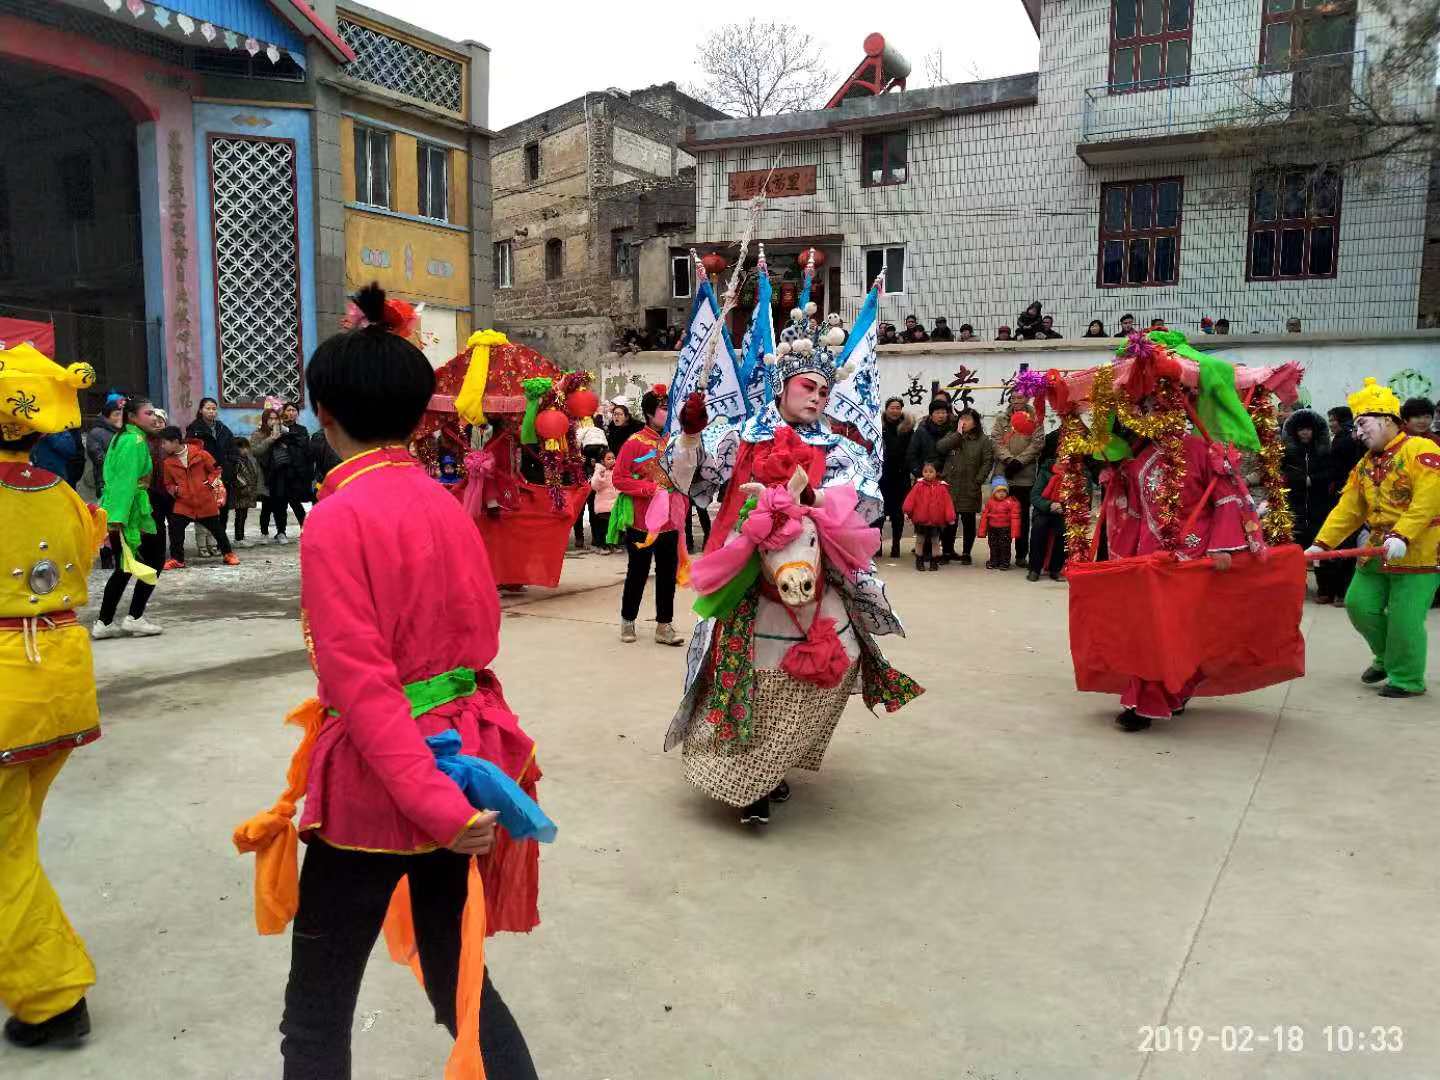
(580, 403)
(818, 255)
(714, 264)
(552, 424)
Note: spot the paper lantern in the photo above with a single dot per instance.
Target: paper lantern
(552, 424)
(580, 403)
(714, 264)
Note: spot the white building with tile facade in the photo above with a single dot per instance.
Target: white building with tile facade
(1097, 186)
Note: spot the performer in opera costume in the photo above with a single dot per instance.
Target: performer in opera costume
(48, 540)
(1219, 519)
(787, 583)
(410, 752)
(1394, 492)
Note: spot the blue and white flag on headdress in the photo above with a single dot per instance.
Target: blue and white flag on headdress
(855, 398)
(707, 347)
(759, 342)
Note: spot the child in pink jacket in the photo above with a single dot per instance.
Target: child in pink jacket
(602, 482)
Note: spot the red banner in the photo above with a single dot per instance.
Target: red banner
(1157, 619)
(783, 183)
(19, 331)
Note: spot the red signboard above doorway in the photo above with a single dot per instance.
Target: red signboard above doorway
(783, 183)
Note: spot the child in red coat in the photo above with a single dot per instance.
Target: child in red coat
(930, 509)
(1000, 523)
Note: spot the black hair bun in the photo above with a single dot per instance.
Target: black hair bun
(371, 302)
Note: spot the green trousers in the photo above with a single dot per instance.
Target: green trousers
(1389, 611)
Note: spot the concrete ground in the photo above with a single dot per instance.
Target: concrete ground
(992, 883)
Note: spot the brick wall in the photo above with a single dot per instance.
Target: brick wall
(999, 210)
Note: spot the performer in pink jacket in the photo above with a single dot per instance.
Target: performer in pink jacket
(402, 622)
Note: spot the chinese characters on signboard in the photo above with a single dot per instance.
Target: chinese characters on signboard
(783, 183)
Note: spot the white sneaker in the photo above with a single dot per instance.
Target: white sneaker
(100, 631)
(281, 538)
(141, 627)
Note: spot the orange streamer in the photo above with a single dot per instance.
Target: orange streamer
(272, 835)
(466, 1062)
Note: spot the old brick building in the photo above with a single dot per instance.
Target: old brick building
(594, 203)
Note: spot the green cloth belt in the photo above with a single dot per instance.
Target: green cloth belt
(431, 693)
(622, 516)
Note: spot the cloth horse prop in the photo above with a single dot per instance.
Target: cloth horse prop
(771, 678)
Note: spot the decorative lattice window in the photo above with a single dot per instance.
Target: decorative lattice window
(404, 68)
(254, 209)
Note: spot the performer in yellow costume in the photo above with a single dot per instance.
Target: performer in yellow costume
(48, 540)
(1395, 493)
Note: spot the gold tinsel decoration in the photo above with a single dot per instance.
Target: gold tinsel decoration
(1278, 522)
(1075, 488)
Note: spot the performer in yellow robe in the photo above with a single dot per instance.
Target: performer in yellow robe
(47, 705)
(1395, 493)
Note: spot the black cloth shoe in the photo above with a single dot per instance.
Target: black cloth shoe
(1372, 675)
(70, 1026)
(1033, 575)
(919, 562)
(1055, 575)
(1394, 691)
(934, 564)
(1130, 720)
(781, 793)
(966, 560)
(757, 813)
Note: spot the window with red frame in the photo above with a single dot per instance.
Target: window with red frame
(1140, 233)
(1292, 30)
(1294, 224)
(1149, 44)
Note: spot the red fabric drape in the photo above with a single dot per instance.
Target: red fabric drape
(527, 545)
(40, 334)
(1156, 619)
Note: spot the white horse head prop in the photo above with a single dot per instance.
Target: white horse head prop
(794, 567)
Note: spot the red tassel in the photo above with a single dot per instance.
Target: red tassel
(820, 659)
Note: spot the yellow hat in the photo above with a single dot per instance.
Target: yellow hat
(37, 394)
(1375, 400)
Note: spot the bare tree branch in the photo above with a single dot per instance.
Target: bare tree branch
(760, 68)
(933, 66)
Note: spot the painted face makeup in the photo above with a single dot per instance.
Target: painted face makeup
(805, 399)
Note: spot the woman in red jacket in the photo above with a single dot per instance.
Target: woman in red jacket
(930, 509)
(1000, 524)
(193, 479)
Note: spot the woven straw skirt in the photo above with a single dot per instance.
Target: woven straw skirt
(793, 724)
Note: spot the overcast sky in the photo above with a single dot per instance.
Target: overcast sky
(544, 54)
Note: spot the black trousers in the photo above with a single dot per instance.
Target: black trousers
(151, 553)
(274, 506)
(213, 525)
(665, 553)
(967, 526)
(343, 899)
(703, 513)
(1047, 533)
(1332, 576)
(241, 513)
(1022, 538)
(600, 528)
(999, 548)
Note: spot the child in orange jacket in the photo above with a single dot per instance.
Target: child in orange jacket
(193, 479)
(1000, 524)
(929, 508)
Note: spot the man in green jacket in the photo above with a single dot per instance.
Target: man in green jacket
(133, 532)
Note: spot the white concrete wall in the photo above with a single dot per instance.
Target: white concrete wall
(1334, 365)
(999, 210)
(639, 152)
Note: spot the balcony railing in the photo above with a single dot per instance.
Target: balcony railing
(1236, 97)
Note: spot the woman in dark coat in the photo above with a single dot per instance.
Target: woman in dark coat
(219, 441)
(622, 426)
(291, 475)
(1309, 477)
(969, 458)
(895, 473)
